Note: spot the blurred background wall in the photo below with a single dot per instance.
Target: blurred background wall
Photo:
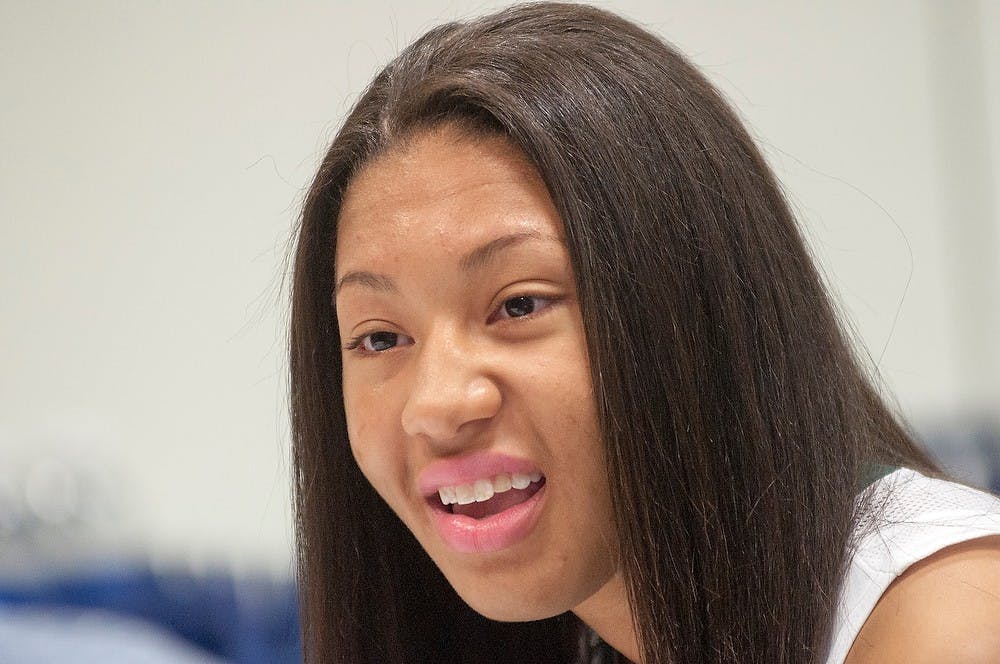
(153, 157)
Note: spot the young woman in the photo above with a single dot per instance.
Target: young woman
(566, 386)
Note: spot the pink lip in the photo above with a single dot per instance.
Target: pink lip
(469, 468)
(493, 533)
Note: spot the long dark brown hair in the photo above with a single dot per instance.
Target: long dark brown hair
(737, 422)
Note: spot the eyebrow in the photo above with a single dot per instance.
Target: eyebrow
(481, 256)
(474, 260)
(379, 282)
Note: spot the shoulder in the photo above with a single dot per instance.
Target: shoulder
(944, 608)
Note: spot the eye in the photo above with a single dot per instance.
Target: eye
(521, 306)
(378, 342)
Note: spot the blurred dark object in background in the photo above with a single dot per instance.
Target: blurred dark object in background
(968, 449)
(247, 621)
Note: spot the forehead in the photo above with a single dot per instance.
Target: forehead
(447, 188)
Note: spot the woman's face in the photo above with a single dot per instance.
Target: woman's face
(466, 382)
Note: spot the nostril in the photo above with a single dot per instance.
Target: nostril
(440, 410)
(432, 415)
(436, 427)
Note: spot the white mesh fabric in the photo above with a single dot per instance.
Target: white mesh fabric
(905, 518)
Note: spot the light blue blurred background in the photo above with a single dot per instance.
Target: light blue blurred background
(153, 157)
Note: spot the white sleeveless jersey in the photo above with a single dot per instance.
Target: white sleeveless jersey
(915, 516)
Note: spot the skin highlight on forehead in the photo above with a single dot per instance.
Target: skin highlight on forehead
(400, 163)
(395, 192)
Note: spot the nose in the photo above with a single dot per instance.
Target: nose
(451, 388)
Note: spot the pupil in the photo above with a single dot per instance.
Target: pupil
(383, 340)
(519, 306)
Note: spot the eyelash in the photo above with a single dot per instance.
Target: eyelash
(356, 343)
(535, 311)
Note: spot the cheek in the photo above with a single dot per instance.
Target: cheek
(564, 410)
(370, 437)
(563, 383)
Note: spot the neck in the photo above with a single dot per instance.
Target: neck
(608, 613)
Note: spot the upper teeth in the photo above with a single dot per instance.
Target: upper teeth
(481, 490)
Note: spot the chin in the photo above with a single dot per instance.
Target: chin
(498, 602)
(510, 613)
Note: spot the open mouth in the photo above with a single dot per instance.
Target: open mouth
(487, 497)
